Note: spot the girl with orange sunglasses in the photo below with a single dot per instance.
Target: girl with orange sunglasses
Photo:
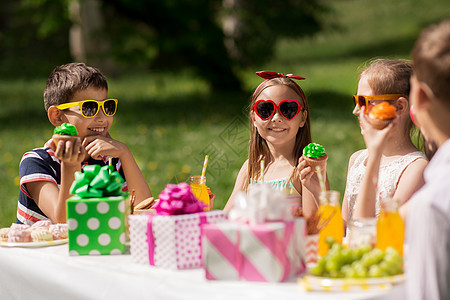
(391, 166)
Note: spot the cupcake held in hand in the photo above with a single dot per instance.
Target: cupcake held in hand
(381, 115)
(65, 132)
(315, 155)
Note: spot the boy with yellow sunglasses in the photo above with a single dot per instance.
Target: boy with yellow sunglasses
(75, 94)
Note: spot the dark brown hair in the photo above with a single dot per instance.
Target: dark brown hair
(64, 81)
(431, 58)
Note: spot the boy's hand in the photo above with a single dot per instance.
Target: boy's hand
(69, 152)
(98, 145)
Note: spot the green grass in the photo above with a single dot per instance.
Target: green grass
(170, 121)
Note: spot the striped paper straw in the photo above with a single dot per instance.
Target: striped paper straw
(110, 163)
(205, 164)
(262, 170)
(321, 182)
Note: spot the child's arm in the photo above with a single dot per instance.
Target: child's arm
(375, 140)
(101, 145)
(238, 186)
(306, 181)
(51, 199)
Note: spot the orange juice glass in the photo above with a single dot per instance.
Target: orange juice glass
(390, 227)
(199, 189)
(330, 208)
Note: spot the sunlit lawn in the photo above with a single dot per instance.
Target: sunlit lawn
(170, 121)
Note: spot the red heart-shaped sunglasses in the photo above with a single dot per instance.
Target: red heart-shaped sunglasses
(265, 109)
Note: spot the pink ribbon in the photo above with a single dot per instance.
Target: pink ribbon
(278, 247)
(150, 240)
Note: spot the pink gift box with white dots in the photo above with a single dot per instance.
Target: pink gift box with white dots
(172, 242)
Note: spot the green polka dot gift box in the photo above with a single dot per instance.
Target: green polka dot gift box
(96, 214)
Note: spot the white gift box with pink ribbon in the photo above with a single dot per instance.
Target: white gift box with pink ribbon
(172, 242)
(272, 252)
(171, 238)
(262, 242)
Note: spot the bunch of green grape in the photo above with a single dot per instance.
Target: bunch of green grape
(359, 262)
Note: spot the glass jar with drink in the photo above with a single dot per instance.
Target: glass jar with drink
(200, 190)
(330, 213)
(390, 226)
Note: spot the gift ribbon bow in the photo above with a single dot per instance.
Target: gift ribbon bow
(96, 182)
(272, 74)
(267, 75)
(178, 199)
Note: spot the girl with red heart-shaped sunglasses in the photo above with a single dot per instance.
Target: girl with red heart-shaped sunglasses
(280, 129)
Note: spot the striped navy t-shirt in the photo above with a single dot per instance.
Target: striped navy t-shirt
(40, 164)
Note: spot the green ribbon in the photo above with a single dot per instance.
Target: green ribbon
(66, 129)
(97, 182)
(314, 150)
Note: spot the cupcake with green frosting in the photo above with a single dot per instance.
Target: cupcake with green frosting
(65, 132)
(315, 155)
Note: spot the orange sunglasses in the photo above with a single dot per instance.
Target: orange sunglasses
(362, 100)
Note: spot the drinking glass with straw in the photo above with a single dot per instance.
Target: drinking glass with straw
(329, 211)
(198, 186)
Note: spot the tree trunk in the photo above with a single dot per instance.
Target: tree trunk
(88, 44)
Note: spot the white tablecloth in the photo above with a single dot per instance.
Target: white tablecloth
(50, 273)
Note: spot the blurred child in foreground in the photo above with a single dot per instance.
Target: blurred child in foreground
(428, 223)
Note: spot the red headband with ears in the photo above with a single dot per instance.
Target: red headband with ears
(267, 75)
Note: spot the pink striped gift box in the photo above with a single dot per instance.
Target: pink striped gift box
(268, 252)
(172, 242)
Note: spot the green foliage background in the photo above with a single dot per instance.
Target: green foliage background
(168, 119)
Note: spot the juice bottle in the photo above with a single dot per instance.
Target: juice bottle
(390, 227)
(330, 209)
(199, 189)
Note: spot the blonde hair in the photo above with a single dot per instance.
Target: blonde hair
(258, 149)
(392, 76)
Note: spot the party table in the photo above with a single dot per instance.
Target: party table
(51, 273)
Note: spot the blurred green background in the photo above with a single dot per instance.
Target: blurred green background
(171, 117)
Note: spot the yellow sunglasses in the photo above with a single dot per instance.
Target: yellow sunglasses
(362, 100)
(90, 108)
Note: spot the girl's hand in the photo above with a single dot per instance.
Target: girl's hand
(68, 152)
(303, 172)
(375, 138)
(307, 176)
(98, 145)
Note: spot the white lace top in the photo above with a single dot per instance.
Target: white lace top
(388, 178)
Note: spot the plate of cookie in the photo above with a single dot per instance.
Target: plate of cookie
(34, 244)
(40, 234)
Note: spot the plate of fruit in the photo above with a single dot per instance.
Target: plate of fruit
(351, 269)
